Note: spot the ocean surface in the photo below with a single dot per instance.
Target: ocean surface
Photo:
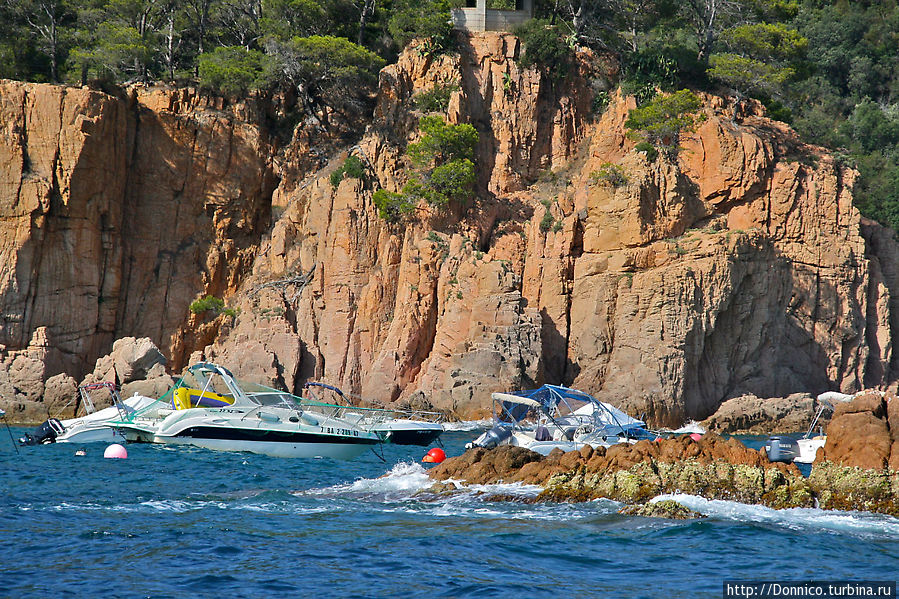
(181, 522)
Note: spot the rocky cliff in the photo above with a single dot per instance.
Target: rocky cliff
(739, 268)
(117, 212)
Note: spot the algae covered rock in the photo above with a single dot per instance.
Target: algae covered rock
(840, 487)
(666, 508)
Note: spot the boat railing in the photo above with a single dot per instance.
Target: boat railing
(387, 413)
(362, 417)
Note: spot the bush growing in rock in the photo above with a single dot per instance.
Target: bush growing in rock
(352, 168)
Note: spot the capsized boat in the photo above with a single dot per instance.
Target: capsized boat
(558, 417)
(209, 408)
(94, 426)
(397, 426)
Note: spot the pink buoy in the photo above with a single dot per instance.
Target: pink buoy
(695, 436)
(115, 451)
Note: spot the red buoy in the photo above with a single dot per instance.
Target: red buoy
(434, 456)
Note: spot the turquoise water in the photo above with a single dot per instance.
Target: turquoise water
(182, 522)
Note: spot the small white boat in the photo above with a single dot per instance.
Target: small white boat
(810, 443)
(94, 426)
(210, 409)
(400, 427)
(554, 417)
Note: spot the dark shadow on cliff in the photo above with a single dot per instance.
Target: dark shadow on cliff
(763, 337)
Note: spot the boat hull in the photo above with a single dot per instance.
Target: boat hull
(411, 437)
(278, 449)
(808, 449)
(271, 442)
(408, 432)
(98, 434)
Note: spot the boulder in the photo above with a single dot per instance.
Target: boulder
(749, 414)
(872, 402)
(667, 508)
(61, 393)
(858, 435)
(133, 358)
(157, 383)
(893, 423)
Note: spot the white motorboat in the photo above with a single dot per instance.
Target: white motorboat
(94, 426)
(810, 443)
(211, 409)
(400, 427)
(554, 417)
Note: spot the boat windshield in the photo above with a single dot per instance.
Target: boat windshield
(565, 407)
(207, 382)
(266, 396)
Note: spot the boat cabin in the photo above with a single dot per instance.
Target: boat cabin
(492, 15)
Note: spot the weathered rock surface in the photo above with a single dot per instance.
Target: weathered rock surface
(115, 214)
(666, 508)
(712, 467)
(839, 487)
(860, 435)
(740, 268)
(751, 415)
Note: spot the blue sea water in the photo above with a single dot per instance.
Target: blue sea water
(184, 522)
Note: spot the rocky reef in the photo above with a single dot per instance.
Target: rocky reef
(852, 472)
(751, 415)
(739, 268)
(712, 467)
(858, 467)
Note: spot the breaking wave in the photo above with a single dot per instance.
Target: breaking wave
(862, 524)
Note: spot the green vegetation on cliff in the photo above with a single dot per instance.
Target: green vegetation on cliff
(825, 66)
(444, 170)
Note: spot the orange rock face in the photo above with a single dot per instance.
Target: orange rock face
(116, 214)
(864, 433)
(739, 268)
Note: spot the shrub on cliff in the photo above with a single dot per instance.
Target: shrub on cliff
(435, 99)
(664, 121)
(392, 207)
(442, 142)
(211, 304)
(543, 47)
(444, 161)
(352, 168)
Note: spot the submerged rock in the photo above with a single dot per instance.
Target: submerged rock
(667, 508)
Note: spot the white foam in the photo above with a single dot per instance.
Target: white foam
(402, 481)
(690, 428)
(857, 523)
(468, 425)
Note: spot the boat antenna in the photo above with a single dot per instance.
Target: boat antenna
(11, 438)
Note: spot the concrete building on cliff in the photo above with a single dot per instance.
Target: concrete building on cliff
(485, 15)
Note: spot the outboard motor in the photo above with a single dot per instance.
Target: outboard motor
(45, 433)
(491, 438)
(782, 449)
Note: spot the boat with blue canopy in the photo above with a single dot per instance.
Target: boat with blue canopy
(555, 417)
